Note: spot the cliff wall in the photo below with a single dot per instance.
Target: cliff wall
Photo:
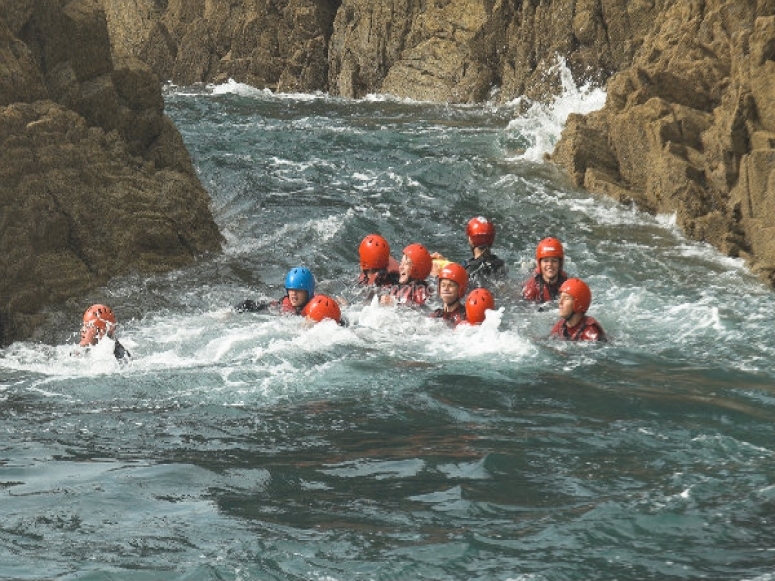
(687, 128)
(95, 180)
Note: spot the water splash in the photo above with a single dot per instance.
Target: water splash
(542, 123)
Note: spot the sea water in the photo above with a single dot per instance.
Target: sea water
(252, 446)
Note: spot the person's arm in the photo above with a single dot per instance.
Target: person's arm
(250, 306)
(594, 332)
(530, 290)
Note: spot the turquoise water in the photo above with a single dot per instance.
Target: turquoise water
(246, 446)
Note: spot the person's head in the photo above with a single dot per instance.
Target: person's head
(549, 258)
(300, 286)
(480, 232)
(374, 253)
(453, 283)
(575, 298)
(322, 307)
(416, 264)
(98, 321)
(478, 301)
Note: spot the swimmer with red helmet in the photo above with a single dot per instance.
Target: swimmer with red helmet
(299, 290)
(414, 268)
(478, 302)
(378, 268)
(545, 283)
(99, 322)
(453, 283)
(484, 266)
(575, 324)
(323, 307)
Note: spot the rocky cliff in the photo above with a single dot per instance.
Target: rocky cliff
(94, 180)
(687, 128)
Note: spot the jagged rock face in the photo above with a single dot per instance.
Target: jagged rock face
(278, 44)
(689, 128)
(95, 181)
(447, 50)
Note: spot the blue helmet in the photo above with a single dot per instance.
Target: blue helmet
(300, 278)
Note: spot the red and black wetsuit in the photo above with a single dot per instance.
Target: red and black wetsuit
(450, 317)
(588, 329)
(286, 308)
(538, 290)
(413, 293)
(375, 283)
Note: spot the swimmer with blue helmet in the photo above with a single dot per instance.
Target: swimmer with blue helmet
(299, 290)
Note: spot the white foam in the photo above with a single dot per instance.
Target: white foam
(543, 123)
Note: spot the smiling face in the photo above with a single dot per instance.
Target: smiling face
(297, 297)
(550, 268)
(449, 291)
(404, 269)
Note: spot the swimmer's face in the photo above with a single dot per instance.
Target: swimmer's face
(550, 268)
(90, 335)
(404, 269)
(566, 306)
(449, 291)
(297, 297)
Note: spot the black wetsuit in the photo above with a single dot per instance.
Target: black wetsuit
(483, 270)
(120, 353)
(283, 306)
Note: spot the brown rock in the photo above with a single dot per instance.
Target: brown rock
(279, 44)
(688, 128)
(95, 181)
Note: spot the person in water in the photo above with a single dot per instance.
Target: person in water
(453, 282)
(575, 324)
(100, 322)
(299, 290)
(545, 283)
(478, 302)
(323, 307)
(412, 288)
(484, 266)
(378, 268)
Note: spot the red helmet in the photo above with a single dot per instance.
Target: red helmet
(549, 248)
(456, 273)
(322, 307)
(98, 320)
(374, 252)
(481, 231)
(578, 289)
(477, 303)
(422, 263)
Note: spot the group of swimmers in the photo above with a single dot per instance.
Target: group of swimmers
(406, 283)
